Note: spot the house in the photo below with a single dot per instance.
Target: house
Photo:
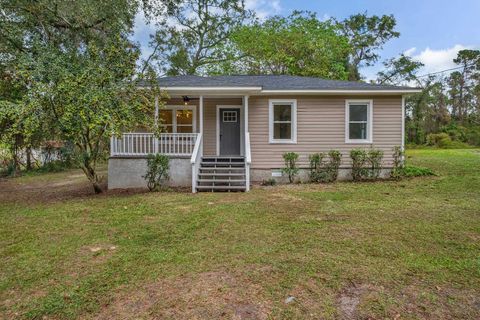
(226, 132)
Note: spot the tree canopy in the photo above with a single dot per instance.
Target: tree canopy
(75, 71)
(299, 44)
(192, 36)
(367, 35)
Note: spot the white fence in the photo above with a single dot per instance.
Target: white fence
(138, 144)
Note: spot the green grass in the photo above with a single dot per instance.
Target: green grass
(409, 248)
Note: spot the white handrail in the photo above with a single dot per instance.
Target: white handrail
(195, 161)
(248, 161)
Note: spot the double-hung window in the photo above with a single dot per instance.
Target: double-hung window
(358, 121)
(178, 119)
(282, 121)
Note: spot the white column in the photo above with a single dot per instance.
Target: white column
(201, 114)
(156, 111)
(155, 139)
(245, 112)
(402, 145)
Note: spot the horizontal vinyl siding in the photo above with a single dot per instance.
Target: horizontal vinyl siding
(321, 127)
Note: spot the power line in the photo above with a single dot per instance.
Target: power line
(442, 71)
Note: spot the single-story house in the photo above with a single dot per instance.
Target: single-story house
(226, 132)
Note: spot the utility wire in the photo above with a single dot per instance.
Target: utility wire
(442, 71)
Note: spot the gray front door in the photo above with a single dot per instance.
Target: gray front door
(229, 131)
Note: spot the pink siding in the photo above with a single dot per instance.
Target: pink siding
(321, 127)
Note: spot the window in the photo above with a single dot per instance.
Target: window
(358, 118)
(283, 121)
(229, 116)
(178, 119)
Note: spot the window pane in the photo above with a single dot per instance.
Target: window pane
(166, 117)
(282, 131)
(358, 112)
(282, 112)
(358, 131)
(184, 117)
(184, 129)
(167, 129)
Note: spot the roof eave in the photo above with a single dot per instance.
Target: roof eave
(343, 92)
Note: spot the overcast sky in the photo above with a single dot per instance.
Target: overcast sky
(433, 31)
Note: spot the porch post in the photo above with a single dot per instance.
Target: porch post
(402, 145)
(156, 111)
(201, 114)
(155, 139)
(245, 112)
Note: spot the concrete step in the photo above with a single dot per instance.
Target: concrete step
(223, 169)
(221, 188)
(203, 174)
(221, 180)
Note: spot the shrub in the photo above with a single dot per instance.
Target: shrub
(269, 182)
(413, 171)
(359, 158)
(157, 171)
(321, 171)
(398, 155)
(374, 158)
(291, 169)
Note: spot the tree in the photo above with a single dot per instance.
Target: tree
(464, 85)
(399, 70)
(79, 70)
(299, 44)
(366, 35)
(194, 35)
(89, 95)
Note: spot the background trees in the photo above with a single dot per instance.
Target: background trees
(449, 103)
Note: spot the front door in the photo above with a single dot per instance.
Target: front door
(229, 134)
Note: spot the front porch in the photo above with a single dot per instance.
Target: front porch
(197, 129)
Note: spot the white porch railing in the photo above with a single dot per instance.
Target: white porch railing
(195, 161)
(141, 144)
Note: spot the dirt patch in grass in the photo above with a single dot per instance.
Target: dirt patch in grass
(68, 185)
(208, 295)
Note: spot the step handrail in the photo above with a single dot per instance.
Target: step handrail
(195, 160)
(248, 160)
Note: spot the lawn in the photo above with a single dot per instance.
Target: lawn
(398, 250)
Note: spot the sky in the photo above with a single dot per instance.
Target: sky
(432, 31)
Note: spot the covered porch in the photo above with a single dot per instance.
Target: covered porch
(196, 127)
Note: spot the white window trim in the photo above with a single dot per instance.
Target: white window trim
(174, 109)
(271, 103)
(369, 121)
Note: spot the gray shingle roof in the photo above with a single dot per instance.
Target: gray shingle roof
(272, 82)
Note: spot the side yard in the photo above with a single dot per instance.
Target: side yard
(402, 250)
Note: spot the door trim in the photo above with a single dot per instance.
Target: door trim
(217, 134)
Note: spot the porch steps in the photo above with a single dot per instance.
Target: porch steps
(218, 174)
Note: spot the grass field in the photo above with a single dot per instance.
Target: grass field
(398, 250)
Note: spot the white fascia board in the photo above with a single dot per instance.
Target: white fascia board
(333, 92)
(211, 88)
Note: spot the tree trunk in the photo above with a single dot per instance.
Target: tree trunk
(29, 158)
(92, 177)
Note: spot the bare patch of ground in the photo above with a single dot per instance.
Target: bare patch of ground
(67, 185)
(208, 295)
(349, 300)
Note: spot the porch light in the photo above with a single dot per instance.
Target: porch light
(186, 100)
